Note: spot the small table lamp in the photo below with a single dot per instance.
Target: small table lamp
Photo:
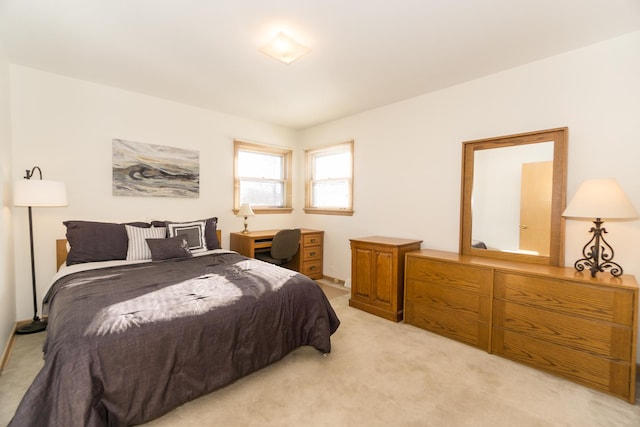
(245, 211)
(598, 199)
(37, 193)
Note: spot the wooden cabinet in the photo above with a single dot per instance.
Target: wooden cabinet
(551, 318)
(307, 261)
(377, 274)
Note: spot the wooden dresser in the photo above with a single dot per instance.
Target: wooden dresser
(554, 319)
(377, 274)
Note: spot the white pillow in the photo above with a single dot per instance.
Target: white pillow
(138, 248)
(193, 231)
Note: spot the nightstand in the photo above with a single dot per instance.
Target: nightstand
(377, 274)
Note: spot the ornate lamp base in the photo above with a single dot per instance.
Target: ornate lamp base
(598, 254)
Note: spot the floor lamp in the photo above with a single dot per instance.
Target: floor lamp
(37, 193)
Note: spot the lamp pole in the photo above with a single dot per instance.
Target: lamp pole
(37, 325)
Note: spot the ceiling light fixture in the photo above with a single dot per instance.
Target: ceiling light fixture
(284, 48)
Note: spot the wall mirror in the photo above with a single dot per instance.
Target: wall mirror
(513, 195)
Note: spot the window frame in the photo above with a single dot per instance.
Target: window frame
(310, 156)
(286, 155)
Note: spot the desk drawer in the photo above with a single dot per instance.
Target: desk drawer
(313, 253)
(309, 240)
(312, 269)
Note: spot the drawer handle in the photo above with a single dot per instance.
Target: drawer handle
(312, 253)
(313, 267)
(312, 240)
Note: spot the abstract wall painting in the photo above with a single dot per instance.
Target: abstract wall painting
(154, 170)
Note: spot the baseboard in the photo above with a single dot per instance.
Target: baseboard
(333, 280)
(8, 348)
(6, 354)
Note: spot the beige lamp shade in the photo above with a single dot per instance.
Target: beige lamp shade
(600, 198)
(39, 192)
(245, 210)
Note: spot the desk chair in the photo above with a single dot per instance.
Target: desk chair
(284, 247)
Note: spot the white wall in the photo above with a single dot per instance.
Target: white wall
(408, 155)
(65, 126)
(7, 289)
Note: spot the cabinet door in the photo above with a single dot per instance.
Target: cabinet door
(362, 273)
(384, 280)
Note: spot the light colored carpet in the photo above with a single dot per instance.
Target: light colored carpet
(382, 373)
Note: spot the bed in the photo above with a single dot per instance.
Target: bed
(129, 340)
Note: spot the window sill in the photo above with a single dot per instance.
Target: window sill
(320, 211)
(258, 211)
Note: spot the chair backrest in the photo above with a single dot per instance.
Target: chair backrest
(285, 243)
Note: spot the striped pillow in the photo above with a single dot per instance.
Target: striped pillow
(138, 248)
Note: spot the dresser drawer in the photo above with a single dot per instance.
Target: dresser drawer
(458, 276)
(603, 374)
(438, 297)
(599, 338)
(562, 296)
(460, 327)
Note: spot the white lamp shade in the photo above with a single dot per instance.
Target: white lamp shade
(245, 210)
(600, 198)
(39, 192)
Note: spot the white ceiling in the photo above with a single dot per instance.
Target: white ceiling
(365, 53)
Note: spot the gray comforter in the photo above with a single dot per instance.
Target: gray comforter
(127, 344)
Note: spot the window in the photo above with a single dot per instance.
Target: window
(329, 183)
(262, 177)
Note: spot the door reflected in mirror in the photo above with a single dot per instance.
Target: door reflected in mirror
(513, 194)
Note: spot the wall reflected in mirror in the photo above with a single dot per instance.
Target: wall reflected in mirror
(512, 188)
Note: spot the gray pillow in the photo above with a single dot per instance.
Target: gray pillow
(92, 241)
(169, 248)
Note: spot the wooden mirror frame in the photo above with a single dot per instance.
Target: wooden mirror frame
(558, 199)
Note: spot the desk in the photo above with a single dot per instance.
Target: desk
(307, 261)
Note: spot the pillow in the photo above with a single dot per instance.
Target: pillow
(138, 249)
(91, 241)
(169, 248)
(193, 231)
(210, 231)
